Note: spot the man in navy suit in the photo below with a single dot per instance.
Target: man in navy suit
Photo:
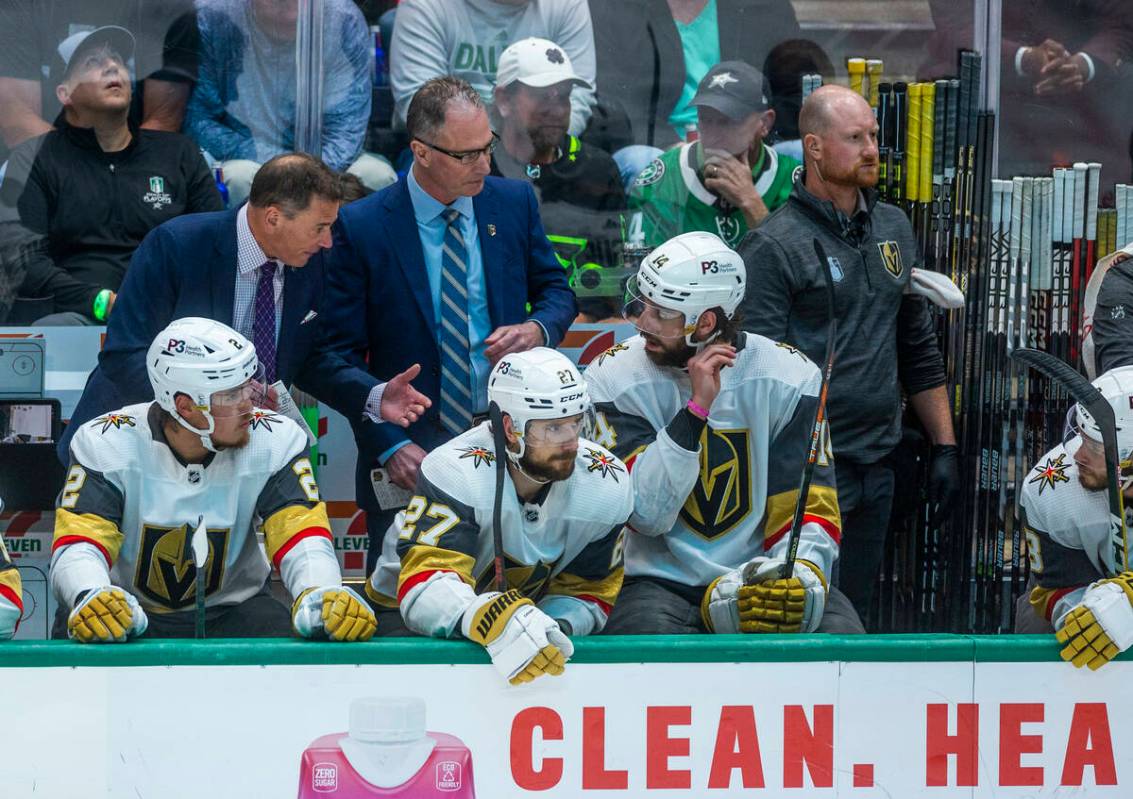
(448, 268)
(259, 269)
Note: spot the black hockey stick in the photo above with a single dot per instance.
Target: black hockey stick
(816, 436)
(1082, 392)
(497, 419)
(199, 544)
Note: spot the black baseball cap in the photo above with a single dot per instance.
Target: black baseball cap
(735, 89)
(118, 39)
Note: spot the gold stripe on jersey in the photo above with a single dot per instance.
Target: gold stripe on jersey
(1043, 600)
(286, 523)
(822, 502)
(10, 584)
(605, 590)
(71, 528)
(419, 560)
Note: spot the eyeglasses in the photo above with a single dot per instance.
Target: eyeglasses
(466, 157)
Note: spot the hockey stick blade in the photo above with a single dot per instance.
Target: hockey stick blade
(497, 419)
(816, 436)
(199, 543)
(1083, 392)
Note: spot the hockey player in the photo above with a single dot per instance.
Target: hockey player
(11, 595)
(140, 479)
(715, 424)
(1078, 589)
(1107, 313)
(565, 502)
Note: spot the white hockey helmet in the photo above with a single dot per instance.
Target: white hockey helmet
(540, 383)
(206, 360)
(690, 273)
(1116, 386)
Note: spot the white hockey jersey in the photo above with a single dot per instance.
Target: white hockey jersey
(130, 497)
(703, 510)
(563, 550)
(11, 594)
(1067, 533)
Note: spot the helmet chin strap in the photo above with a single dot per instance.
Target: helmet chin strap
(516, 459)
(206, 436)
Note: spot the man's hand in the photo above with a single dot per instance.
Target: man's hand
(404, 464)
(1063, 76)
(335, 612)
(401, 403)
(106, 615)
(523, 641)
(943, 481)
(704, 372)
(1035, 59)
(512, 338)
(729, 177)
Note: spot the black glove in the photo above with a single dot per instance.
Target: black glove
(943, 481)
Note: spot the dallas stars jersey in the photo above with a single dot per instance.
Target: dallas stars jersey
(673, 200)
(11, 595)
(1067, 532)
(703, 508)
(563, 549)
(129, 499)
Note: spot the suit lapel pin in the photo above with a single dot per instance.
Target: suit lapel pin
(491, 229)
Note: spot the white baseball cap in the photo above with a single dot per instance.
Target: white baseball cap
(117, 38)
(537, 63)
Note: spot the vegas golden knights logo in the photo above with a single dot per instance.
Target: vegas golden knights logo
(531, 581)
(165, 571)
(721, 498)
(891, 257)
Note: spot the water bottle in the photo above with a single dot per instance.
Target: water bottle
(218, 174)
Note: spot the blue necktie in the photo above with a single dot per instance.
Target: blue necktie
(456, 369)
(263, 320)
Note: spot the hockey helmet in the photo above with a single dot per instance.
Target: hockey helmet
(540, 383)
(688, 274)
(208, 361)
(1116, 386)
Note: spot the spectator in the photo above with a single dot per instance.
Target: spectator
(886, 340)
(652, 54)
(258, 269)
(438, 269)
(466, 38)
(578, 186)
(35, 33)
(1107, 340)
(96, 185)
(243, 111)
(729, 180)
(1064, 82)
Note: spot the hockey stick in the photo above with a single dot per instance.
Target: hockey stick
(199, 544)
(1082, 392)
(500, 440)
(816, 437)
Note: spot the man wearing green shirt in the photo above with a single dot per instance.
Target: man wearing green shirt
(727, 181)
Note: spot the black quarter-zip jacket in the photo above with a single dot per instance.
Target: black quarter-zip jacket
(93, 208)
(885, 338)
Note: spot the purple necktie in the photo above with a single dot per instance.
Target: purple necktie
(263, 320)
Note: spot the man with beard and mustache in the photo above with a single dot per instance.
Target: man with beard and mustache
(715, 424)
(578, 186)
(1077, 587)
(727, 181)
(886, 338)
(565, 501)
(143, 478)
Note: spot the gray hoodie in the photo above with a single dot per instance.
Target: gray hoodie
(886, 340)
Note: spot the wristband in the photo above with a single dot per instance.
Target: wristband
(696, 410)
(101, 304)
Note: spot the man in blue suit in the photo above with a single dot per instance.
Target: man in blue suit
(448, 268)
(259, 269)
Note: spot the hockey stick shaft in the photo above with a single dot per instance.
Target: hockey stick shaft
(817, 441)
(496, 417)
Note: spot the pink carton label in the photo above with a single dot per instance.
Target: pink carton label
(324, 778)
(448, 776)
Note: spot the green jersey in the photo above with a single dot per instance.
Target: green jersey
(671, 199)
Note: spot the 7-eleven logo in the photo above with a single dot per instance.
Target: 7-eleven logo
(157, 184)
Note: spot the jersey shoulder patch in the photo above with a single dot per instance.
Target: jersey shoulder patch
(465, 467)
(109, 441)
(603, 488)
(652, 173)
(779, 361)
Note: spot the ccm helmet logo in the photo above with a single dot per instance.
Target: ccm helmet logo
(570, 398)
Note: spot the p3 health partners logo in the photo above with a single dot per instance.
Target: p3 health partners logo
(157, 198)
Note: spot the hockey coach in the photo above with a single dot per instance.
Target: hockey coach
(886, 342)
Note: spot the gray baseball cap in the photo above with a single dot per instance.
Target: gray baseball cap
(735, 89)
(78, 44)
